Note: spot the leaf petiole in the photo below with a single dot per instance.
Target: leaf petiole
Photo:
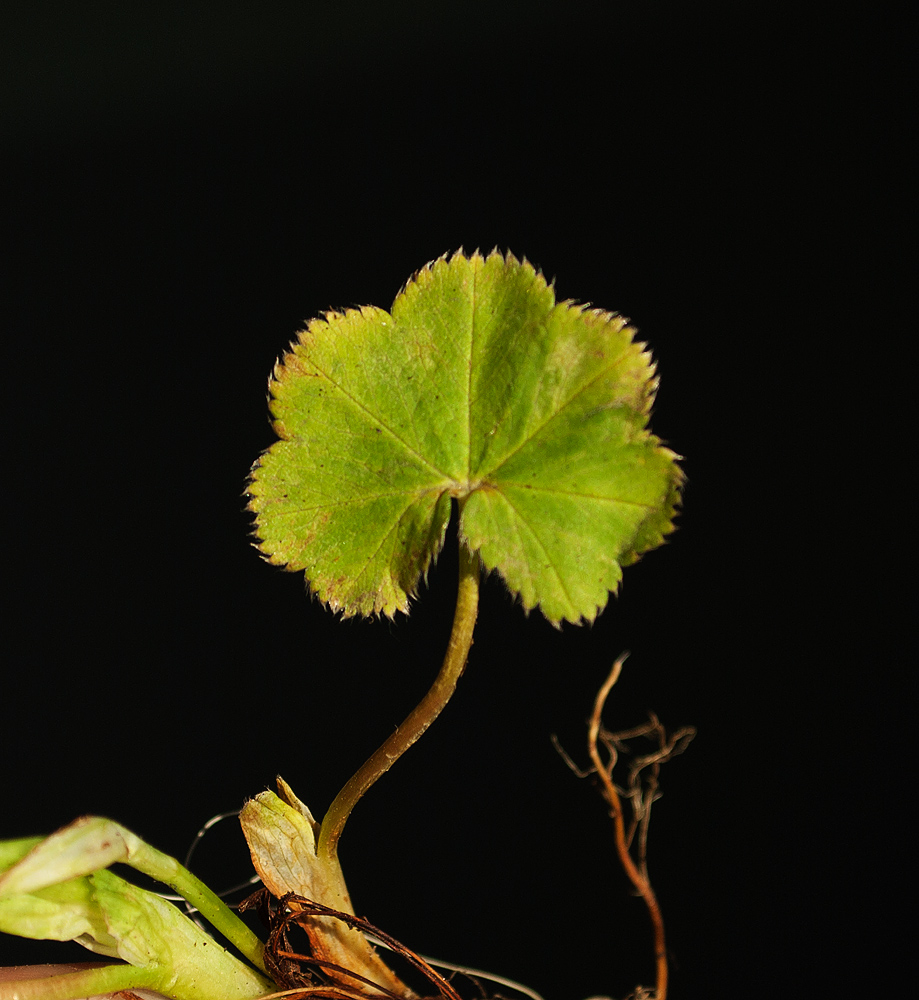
(424, 713)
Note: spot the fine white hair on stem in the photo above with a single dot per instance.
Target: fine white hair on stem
(467, 971)
(199, 836)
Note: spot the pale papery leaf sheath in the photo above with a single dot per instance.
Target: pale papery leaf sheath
(478, 386)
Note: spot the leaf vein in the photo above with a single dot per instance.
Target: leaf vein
(545, 551)
(556, 413)
(288, 511)
(472, 333)
(366, 409)
(580, 496)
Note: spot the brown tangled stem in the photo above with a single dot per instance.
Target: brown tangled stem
(610, 793)
(292, 908)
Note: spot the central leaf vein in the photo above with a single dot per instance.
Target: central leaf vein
(372, 416)
(502, 485)
(537, 430)
(288, 511)
(471, 354)
(523, 521)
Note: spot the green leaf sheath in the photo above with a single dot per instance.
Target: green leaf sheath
(55, 888)
(477, 385)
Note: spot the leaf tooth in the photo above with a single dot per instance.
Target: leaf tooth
(423, 275)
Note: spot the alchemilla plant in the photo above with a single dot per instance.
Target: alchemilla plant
(477, 393)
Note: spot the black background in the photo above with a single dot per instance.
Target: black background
(189, 185)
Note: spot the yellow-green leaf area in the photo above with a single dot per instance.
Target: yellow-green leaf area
(477, 385)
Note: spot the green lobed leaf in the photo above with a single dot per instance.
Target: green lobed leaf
(477, 386)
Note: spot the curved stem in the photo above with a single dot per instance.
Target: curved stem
(641, 883)
(418, 720)
(81, 979)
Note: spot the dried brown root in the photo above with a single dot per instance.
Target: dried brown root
(303, 975)
(640, 792)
